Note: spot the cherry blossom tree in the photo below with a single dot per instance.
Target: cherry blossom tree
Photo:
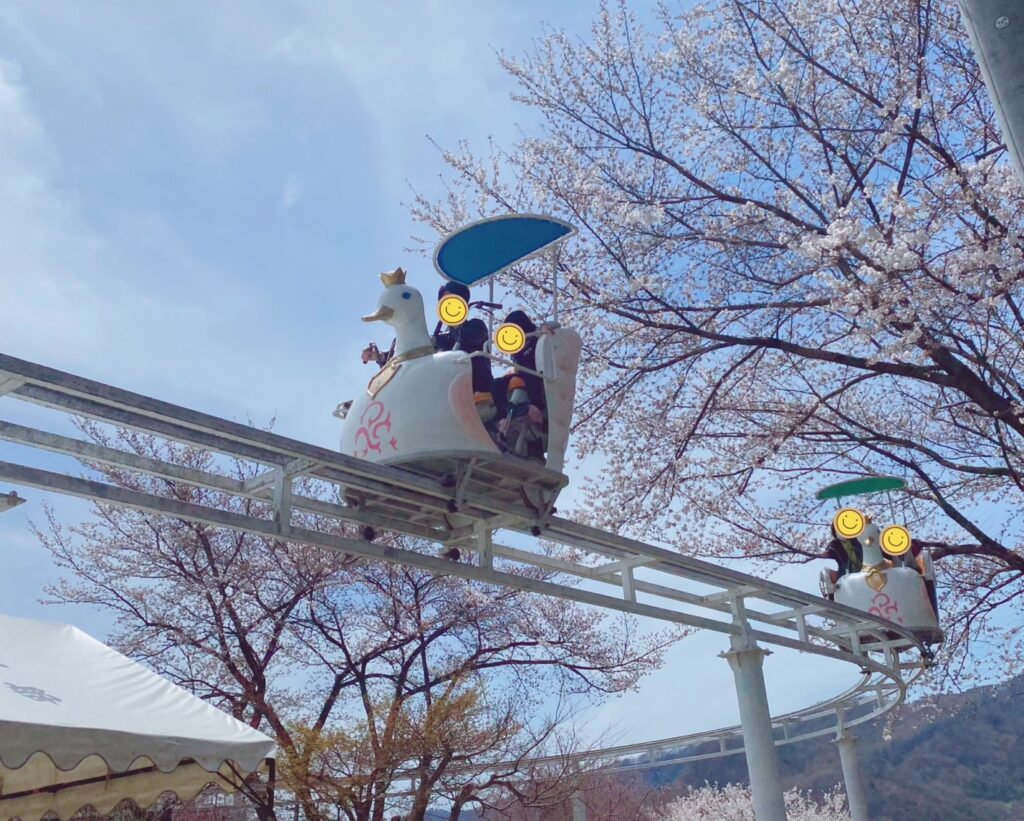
(733, 803)
(619, 797)
(799, 261)
(364, 673)
(607, 796)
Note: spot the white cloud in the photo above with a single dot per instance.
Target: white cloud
(18, 128)
(420, 68)
(44, 251)
(141, 311)
(394, 56)
(291, 191)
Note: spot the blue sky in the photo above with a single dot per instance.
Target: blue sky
(195, 200)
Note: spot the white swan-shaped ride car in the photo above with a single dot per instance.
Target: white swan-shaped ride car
(891, 582)
(420, 411)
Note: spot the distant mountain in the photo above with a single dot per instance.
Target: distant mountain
(954, 758)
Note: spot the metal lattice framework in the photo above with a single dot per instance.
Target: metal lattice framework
(476, 501)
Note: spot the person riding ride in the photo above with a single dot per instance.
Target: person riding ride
(847, 553)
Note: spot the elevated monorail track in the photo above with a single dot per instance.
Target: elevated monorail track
(482, 507)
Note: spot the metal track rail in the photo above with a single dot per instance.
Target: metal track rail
(596, 568)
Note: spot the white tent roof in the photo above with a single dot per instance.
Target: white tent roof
(77, 718)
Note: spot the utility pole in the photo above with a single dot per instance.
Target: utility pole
(996, 29)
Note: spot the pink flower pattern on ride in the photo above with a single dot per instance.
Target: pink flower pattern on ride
(887, 608)
(375, 418)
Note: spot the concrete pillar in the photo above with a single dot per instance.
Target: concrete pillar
(855, 795)
(996, 29)
(746, 660)
(579, 809)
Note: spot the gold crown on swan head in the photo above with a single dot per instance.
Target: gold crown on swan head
(396, 277)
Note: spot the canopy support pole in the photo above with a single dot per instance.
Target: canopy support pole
(554, 282)
(490, 313)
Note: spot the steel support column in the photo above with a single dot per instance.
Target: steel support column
(996, 29)
(852, 777)
(746, 660)
(579, 808)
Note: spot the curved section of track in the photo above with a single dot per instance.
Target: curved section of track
(889, 657)
(481, 510)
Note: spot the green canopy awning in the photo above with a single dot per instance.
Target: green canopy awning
(858, 487)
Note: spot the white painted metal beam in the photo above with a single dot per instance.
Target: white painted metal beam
(405, 503)
(9, 501)
(621, 565)
(9, 383)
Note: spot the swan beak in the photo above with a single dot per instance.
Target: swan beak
(383, 312)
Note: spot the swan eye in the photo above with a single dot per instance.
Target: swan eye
(406, 295)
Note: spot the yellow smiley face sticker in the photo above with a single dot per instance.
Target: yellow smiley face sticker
(452, 310)
(895, 540)
(510, 338)
(849, 523)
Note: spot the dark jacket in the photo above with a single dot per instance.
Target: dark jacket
(472, 336)
(448, 340)
(848, 554)
(527, 358)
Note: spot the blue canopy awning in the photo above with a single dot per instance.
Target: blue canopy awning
(482, 249)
